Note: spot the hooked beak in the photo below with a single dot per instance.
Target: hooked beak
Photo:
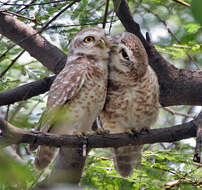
(102, 44)
(112, 43)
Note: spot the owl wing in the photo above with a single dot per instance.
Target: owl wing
(66, 86)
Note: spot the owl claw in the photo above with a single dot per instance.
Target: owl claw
(131, 132)
(79, 134)
(102, 132)
(144, 131)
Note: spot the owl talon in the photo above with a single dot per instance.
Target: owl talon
(144, 131)
(79, 134)
(102, 132)
(131, 132)
(106, 131)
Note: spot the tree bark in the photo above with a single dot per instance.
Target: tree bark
(12, 135)
(26, 91)
(28, 38)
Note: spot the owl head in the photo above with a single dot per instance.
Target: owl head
(91, 41)
(128, 56)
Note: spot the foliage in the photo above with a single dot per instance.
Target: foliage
(176, 34)
(159, 166)
(196, 7)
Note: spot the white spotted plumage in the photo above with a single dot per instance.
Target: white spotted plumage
(78, 93)
(132, 97)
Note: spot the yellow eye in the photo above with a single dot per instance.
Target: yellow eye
(124, 54)
(89, 39)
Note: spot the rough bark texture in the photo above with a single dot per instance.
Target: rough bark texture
(38, 47)
(169, 134)
(26, 91)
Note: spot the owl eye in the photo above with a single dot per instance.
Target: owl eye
(89, 39)
(124, 54)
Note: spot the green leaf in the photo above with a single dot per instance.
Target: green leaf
(192, 28)
(13, 174)
(196, 7)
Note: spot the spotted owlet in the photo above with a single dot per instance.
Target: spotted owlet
(132, 97)
(78, 93)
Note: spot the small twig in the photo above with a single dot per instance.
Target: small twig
(105, 14)
(181, 178)
(173, 112)
(189, 112)
(50, 21)
(57, 15)
(196, 164)
(18, 15)
(8, 49)
(171, 33)
(163, 146)
(32, 4)
(16, 110)
(173, 183)
(26, 6)
(112, 20)
(100, 157)
(72, 25)
(182, 3)
(11, 64)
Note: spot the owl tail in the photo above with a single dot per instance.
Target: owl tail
(44, 156)
(68, 166)
(126, 158)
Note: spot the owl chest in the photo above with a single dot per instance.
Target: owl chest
(93, 93)
(143, 109)
(133, 107)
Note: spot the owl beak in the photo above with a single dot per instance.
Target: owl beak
(102, 44)
(112, 43)
(113, 46)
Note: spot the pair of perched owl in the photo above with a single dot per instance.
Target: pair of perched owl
(105, 76)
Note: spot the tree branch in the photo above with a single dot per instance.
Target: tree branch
(26, 91)
(12, 135)
(38, 47)
(182, 3)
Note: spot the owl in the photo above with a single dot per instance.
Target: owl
(78, 93)
(132, 98)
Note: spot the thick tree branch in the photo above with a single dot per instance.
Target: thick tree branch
(38, 47)
(12, 135)
(26, 91)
